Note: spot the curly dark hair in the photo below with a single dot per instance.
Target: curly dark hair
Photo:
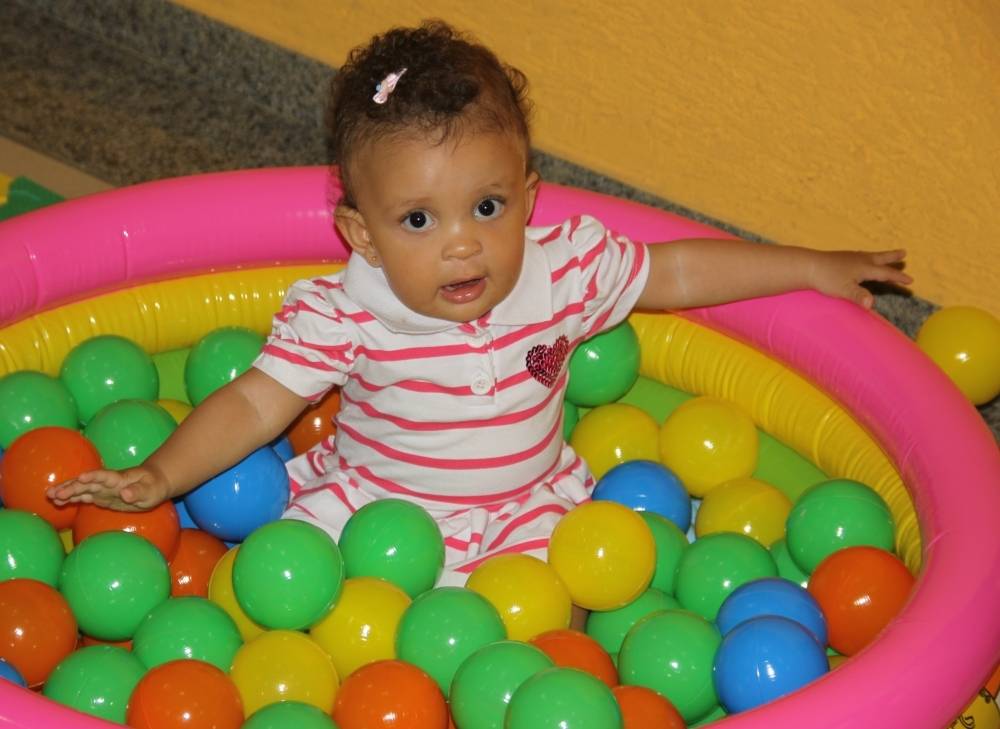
(451, 83)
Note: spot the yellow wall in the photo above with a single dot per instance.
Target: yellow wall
(829, 124)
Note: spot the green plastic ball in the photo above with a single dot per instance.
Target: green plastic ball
(672, 652)
(29, 400)
(125, 433)
(443, 627)
(485, 682)
(715, 565)
(289, 714)
(97, 680)
(395, 540)
(218, 358)
(563, 698)
(288, 574)
(786, 565)
(106, 369)
(187, 627)
(170, 366)
(604, 367)
(835, 514)
(111, 581)
(29, 548)
(610, 627)
(671, 543)
(571, 416)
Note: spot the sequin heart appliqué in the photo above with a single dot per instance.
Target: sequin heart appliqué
(545, 361)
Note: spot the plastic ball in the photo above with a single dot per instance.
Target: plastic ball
(527, 593)
(38, 460)
(390, 694)
(170, 367)
(707, 441)
(613, 434)
(714, 566)
(485, 682)
(764, 659)
(193, 562)
(127, 432)
(288, 574)
(37, 628)
(775, 597)
(573, 649)
(96, 680)
(643, 708)
(29, 400)
(835, 514)
(221, 592)
(787, 567)
(242, 498)
(185, 693)
(288, 714)
(284, 665)
(571, 416)
(860, 589)
(671, 652)
(160, 525)
(176, 409)
(744, 506)
(647, 486)
(29, 548)
(604, 553)
(610, 627)
(111, 581)
(218, 358)
(964, 341)
(671, 543)
(395, 540)
(105, 369)
(563, 697)
(443, 627)
(603, 367)
(10, 674)
(187, 627)
(361, 628)
(315, 424)
(283, 447)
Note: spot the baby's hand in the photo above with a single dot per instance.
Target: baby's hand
(840, 273)
(136, 489)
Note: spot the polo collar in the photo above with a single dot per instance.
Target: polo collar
(529, 302)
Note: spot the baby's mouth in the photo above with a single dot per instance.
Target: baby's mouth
(464, 291)
(459, 285)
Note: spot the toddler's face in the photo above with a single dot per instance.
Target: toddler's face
(444, 221)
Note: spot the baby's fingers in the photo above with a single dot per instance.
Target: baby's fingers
(883, 258)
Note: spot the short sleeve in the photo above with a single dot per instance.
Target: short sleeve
(310, 348)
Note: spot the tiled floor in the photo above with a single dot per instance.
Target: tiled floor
(16, 160)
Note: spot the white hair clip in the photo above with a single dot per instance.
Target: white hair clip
(387, 86)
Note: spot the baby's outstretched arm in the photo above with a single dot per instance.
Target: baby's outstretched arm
(691, 273)
(245, 414)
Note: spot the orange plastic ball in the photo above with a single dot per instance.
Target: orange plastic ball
(38, 460)
(643, 708)
(390, 693)
(37, 628)
(185, 694)
(87, 641)
(572, 649)
(191, 566)
(159, 525)
(315, 423)
(859, 589)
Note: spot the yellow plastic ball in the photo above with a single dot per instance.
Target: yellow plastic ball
(965, 342)
(66, 536)
(220, 591)
(361, 628)
(745, 506)
(707, 441)
(613, 434)
(527, 592)
(284, 665)
(178, 410)
(604, 553)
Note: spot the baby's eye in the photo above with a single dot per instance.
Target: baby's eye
(417, 220)
(489, 208)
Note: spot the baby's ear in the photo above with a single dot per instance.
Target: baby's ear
(531, 191)
(351, 225)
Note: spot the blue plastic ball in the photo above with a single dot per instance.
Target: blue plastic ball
(764, 659)
(9, 673)
(775, 597)
(283, 447)
(182, 514)
(647, 486)
(241, 498)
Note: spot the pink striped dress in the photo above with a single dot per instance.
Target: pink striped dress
(464, 419)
